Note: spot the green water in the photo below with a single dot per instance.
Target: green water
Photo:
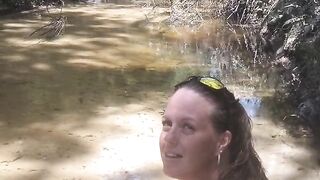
(104, 55)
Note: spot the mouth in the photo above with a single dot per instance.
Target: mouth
(173, 155)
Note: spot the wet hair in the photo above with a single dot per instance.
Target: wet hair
(244, 162)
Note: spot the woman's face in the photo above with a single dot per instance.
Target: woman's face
(188, 141)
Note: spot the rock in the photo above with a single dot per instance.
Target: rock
(291, 33)
(309, 111)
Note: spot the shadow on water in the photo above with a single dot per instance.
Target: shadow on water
(137, 175)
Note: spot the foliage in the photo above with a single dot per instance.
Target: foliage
(20, 4)
(28, 4)
(282, 34)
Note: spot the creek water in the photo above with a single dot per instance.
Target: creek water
(88, 104)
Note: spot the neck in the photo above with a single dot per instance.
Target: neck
(210, 175)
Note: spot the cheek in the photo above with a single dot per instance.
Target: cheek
(202, 148)
(161, 141)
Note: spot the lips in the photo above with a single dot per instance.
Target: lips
(173, 155)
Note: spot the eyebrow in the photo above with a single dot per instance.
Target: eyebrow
(188, 119)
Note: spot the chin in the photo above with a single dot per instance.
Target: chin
(173, 173)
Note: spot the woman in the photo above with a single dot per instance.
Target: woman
(207, 134)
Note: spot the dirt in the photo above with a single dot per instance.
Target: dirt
(122, 143)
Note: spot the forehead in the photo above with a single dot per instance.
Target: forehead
(188, 104)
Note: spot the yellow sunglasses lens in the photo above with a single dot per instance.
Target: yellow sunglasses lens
(213, 83)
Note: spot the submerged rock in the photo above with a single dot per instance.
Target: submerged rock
(309, 111)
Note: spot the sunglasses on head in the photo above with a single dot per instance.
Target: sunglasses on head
(211, 82)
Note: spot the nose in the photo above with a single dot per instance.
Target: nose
(171, 137)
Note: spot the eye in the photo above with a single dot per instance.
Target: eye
(188, 129)
(166, 125)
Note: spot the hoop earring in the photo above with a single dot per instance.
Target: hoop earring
(219, 157)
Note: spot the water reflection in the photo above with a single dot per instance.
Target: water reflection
(252, 105)
(224, 50)
(121, 2)
(216, 51)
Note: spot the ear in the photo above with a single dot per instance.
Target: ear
(224, 140)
